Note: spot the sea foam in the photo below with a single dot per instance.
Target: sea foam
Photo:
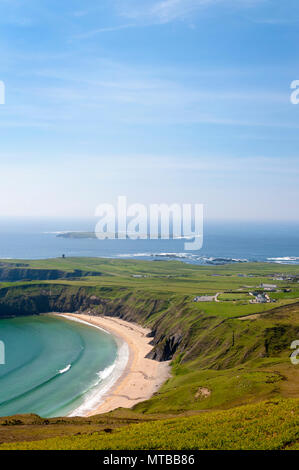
(94, 395)
(106, 379)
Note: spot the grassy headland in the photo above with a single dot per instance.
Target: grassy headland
(224, 353)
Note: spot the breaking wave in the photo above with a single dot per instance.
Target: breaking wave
(285, 260)
(66, 369)
(106, 379)
(191, 257)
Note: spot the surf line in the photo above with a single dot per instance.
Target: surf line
(106, 379)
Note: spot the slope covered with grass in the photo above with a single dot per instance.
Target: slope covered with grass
(272, 425)
(224, 354)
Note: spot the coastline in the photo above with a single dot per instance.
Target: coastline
(139, 379)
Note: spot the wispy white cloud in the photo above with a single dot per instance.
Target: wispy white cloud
(94, 32)
(105, 91)
(158, 12)
(169, 10)
(165, 11)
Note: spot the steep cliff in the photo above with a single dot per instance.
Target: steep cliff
(42, 298)
(12, 274)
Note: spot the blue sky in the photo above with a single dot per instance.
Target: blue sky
(161, 101)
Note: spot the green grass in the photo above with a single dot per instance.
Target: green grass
(237, 351)
(271, 425)
(234, 297)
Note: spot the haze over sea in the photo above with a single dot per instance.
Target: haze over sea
(28, 238)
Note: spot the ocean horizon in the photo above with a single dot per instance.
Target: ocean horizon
(51, 377)
(223, 242)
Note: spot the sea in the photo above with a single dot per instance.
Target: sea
(55, 366)
(223, 242)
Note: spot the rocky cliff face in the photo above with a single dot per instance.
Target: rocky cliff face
(42, 298)
(33, 300)
(9, 274)
(164, 346)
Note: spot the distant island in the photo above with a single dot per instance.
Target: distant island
(76, 235)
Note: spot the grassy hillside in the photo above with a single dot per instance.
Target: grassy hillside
(272, 425)
(224, 354)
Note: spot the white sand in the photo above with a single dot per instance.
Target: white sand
(141, 378)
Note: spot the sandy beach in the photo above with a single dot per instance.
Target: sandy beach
(141, 378)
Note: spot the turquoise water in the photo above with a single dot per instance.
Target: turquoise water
(52, 364)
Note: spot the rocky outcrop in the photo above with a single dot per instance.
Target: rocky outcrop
(164, 347)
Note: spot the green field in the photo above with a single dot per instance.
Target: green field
(236, 351)
(234, 297)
